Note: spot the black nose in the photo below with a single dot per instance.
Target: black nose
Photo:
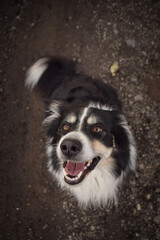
(71, 147)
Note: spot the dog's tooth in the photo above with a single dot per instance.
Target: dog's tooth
(79, 174)
(67, 177)
(89, 163)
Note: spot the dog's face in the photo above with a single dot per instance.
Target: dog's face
(85, 141)
(81, 140)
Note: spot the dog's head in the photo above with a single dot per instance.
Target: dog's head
(82, 138)
(85, 139)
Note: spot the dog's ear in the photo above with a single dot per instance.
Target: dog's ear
(125, 147)
(48, 73)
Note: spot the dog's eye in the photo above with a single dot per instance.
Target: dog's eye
(65, 127)
(97, 129)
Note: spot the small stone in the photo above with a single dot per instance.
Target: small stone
(157, 219)
(138, 207)
(115, 31)
(33, 25)
(158, 151)
(131, 43)
(151, 206)
(30, 233)
(45, 226)
(144, 53)
(44, 190)
(138, 98)
(141, 166)
(92, 228)
(148, 196)
(156, 136)
(157, 190)
(18, 18)
(13, 28)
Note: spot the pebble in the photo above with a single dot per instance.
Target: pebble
(144, 53)
(92, 228)
(44, 190)
(138, 98)
(141, 166)
(138, 207)
(30, 233)
(33, 25)
(158, 151)
(45, 226)
(148, 196)
(157, 219)
(131, 43)
(157, 190)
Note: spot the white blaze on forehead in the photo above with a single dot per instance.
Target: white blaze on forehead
(100, 106)
(92, 119)
(82, 117)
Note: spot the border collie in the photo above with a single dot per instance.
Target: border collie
(90, 147)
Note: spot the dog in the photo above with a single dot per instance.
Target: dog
(90, 147)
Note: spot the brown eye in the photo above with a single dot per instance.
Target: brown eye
(97, 129)
(65, 127)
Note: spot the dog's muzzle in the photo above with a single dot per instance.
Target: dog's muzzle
(75, 171)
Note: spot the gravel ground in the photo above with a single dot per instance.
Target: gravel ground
(96, 34)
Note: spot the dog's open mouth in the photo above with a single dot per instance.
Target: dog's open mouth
(75, 172)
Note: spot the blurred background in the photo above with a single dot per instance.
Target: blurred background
(96, 33)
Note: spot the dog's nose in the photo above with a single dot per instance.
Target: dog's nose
(71, 147)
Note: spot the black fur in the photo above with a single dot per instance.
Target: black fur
(61, 81)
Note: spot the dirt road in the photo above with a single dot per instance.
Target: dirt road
(96, 34)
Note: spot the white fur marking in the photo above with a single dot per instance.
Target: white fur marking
(99, 187)
(100, 106)
(35, 72)
(54, 108)
(83, 116)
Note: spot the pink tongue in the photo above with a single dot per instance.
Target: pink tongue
(73, 168)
